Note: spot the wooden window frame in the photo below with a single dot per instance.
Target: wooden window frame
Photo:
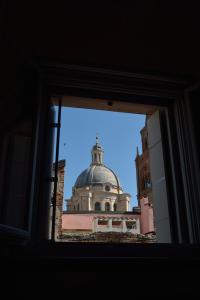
(143, 93)
(99, 88)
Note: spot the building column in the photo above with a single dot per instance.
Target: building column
(137, 226)
(95, 222)
(89, 204)
(110, 224)
(111, 206)
(85, 201)
(124, 228)
(127, 205)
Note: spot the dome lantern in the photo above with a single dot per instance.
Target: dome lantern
(97, 153)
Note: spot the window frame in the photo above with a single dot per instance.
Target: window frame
(12, 234)
(141, 91)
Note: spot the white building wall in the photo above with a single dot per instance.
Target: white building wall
(121, 228)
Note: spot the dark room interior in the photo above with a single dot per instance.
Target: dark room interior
(140, 52)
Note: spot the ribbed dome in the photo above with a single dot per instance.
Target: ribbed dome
(97, 174)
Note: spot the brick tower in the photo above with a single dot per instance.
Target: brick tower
(144, 190)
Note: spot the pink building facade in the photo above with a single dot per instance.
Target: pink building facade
(136, 223)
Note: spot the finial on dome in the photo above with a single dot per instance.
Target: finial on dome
(97, 138)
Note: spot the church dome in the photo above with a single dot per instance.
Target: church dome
(97, 174)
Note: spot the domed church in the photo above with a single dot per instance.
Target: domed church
(98, 188)
(99, 205)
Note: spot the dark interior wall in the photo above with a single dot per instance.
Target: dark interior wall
(18, 90)
(141, 37)
(194, 104)
(147, 36)
(111, 278)
(18, 104)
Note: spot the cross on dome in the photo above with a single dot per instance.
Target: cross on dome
(97, 139)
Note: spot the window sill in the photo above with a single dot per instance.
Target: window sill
(108, 252)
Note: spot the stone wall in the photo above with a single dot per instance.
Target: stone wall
(147, 219)
(116, 222)
(59, 197)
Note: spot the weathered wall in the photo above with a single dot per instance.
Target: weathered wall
(147, 219)
(60, 196)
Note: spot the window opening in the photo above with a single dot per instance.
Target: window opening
(107, 206)
(97, 206)
(98, 182)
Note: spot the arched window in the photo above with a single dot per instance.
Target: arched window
(97, 206)
(107, 206)
(115, 206)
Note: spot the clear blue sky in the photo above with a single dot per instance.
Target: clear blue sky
(119, 135)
